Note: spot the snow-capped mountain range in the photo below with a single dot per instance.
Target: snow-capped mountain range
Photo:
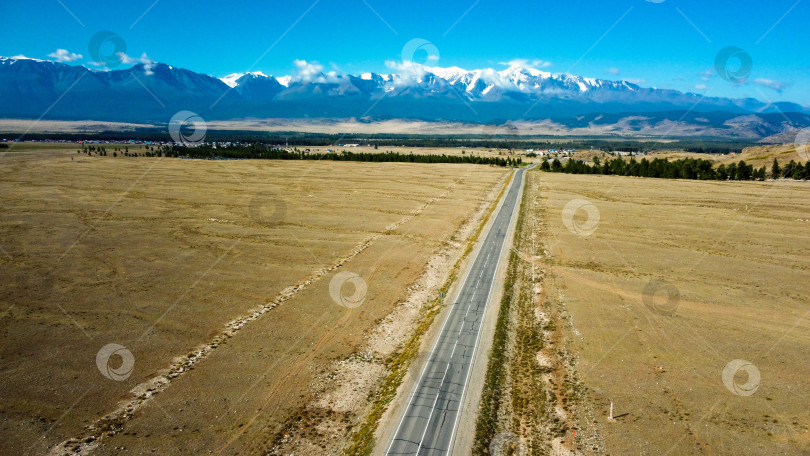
(156, 91)
(473, 83)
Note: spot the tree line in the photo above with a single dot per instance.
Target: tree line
(268, 153)
(499, 139)
(685, 168)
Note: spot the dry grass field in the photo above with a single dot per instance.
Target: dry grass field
(28, 146)
(758, 156)
(218, 277)
(476, 151)
(648, 293)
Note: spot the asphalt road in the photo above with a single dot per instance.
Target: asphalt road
(428, 425)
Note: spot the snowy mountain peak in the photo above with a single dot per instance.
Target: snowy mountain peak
(284, 80)
(232, 79)
(517, 72)
(31, 87)
(450, 74)
(484, 83)
(14, 58)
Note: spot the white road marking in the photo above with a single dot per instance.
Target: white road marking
(419, 448)
(441, 383)
(475, 346)
(498, 232)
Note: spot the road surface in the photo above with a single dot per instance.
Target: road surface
(428, 425)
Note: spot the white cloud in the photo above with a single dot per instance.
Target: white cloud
(22, 57)
(410, 73)
(125, 59)
(62, 55)
(492, 76)
(706, 74)
(614, 71)
(701, 87)
(771, 84)
(531, 63)
(148, 64)
(308, 70)
(313, 72)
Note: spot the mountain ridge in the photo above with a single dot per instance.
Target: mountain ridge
(153, 92)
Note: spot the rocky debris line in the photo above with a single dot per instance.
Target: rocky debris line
(344, 393)
(574, 430)
(113, 423)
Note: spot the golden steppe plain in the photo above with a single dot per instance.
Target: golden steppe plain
(216, 276)
(660, 286)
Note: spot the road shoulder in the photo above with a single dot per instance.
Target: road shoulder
(465, 434)
(390, 419)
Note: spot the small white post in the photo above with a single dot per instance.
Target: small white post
(611, 412)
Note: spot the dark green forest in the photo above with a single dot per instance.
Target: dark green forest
(686, 168)
(497, 141)
(268, 153)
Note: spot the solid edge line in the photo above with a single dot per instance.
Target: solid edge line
(512, 220)
(439, 336)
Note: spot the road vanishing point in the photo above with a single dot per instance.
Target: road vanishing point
(430, 420)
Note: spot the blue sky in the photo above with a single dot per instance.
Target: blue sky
(670, 43)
